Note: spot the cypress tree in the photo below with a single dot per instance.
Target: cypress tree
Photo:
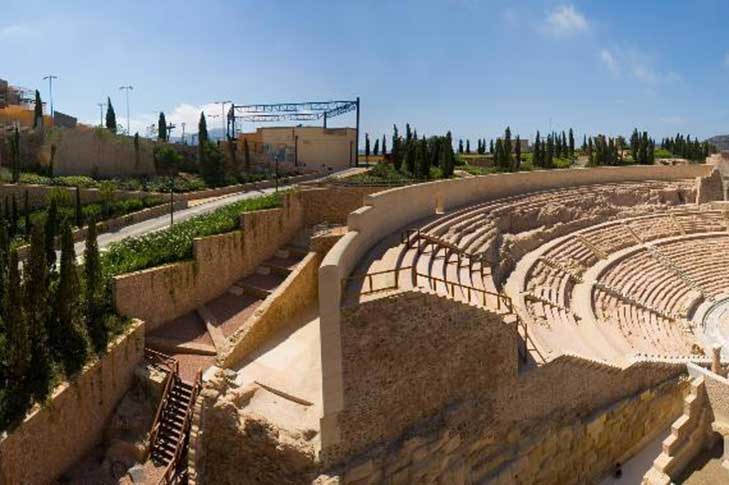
(468, 146)
(376, 149)
(517, 154)
(367, 147)
(26, 213)
(35, 284)
(202, 136)
(93, 290)
(38, 111)
(4, 265)
(14, 218)
(110, 116)
(549, 155)
(162, 127)
(410, 157)
(18, 338)
(50, 231)
(423, 167)
(395, 154)
(572, 144)
(537, 158)
(460, 146)
(69, 340)
(508, 148)
(447, 156)
(384, 146)
(491, 147)
(79, 210)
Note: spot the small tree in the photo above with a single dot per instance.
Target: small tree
(18, 338)
(15, 154)
(162, 127)
(79, 209)
(202, 136)
(26, 213)
(110, 116)
(50, 231)
(14, 218)
(212, 168)
(35, 273)
(38, 111)
(69, 339)
(93, 290)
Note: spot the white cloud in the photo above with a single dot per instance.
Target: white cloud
(610, 62)
(182, 113)
(14, 30)
(637, 66)
(566, 20)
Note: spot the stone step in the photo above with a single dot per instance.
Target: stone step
(177, 347)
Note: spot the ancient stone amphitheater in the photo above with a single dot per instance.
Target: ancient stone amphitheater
(526, 328)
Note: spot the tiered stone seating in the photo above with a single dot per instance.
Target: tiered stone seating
(693, 222)
(610, 238)
(703, 260)
(654, 227)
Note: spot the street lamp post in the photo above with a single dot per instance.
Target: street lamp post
(50, 79)
(127, 89)
(101, 113)
(222, 112)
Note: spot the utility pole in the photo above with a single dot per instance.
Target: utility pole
(222, 112)
(127, 89)
(50, 79)
(101, 113)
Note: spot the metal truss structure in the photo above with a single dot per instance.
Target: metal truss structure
(302, 111)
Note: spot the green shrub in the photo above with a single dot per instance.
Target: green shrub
(175, 243)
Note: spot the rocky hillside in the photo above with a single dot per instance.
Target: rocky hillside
(721, 142)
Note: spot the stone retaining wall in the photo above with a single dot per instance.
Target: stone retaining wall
(453, 449)
(38, 194)
(56, 435)
(160, 294)
(297, 292)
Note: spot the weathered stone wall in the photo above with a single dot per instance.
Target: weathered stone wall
(297, 292)
(55, 436)
(461, 446)
(85, 151)
(710, 187)
(231, 445)
(163, 293)
(408, 355)
(332, 204)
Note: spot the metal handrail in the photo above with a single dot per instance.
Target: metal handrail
(170, 470)
(368, 277)
(452, 285)
(171, 376)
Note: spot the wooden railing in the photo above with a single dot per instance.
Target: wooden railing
(468, 291)
(171, 472)
(173, 369)
(369, 278)
(410, 237)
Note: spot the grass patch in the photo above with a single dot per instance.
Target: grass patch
(175, 243)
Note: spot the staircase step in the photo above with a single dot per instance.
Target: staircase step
(283, 253)
(262, 269)
(211, 323)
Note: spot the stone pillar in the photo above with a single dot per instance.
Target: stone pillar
(716, 360)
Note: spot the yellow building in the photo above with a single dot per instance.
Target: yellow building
(302, 147)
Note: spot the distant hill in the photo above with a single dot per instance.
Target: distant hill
(721, 142)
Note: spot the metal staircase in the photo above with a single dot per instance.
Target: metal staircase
(171, 427)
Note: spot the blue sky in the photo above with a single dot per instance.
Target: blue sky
(470, 66)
